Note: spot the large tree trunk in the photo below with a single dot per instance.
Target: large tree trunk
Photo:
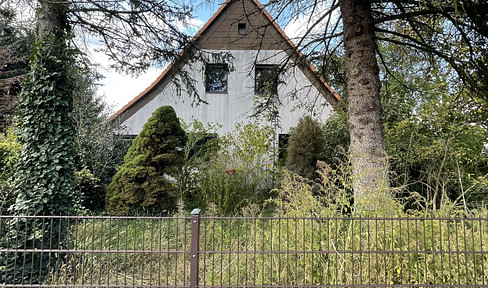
(44, 175)
(51, 20)
(367, 148)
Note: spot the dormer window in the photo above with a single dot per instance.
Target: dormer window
(216, 76)
(241, 28)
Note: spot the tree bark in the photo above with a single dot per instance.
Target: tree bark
(44, 174)
(367, 148)
(52, 20)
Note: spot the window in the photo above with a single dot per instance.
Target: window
(216, 78)
(266, 79)
(129, 137)
(241, 28)
(128, 140)
(282, 146)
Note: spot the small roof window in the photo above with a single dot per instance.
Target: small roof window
(241, 28)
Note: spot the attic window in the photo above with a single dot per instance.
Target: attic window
(241, 28)
(266, 79)
(216, 78)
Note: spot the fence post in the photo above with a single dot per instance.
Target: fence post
(195, 237)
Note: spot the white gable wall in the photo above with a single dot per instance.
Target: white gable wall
(237, 104)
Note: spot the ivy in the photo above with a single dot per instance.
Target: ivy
(44, 174)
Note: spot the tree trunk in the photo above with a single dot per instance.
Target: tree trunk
(44, 174)
(367, 148)
(51, 20)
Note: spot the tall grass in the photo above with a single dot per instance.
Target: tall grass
(279, 251)
(307, 242)
(127, 251)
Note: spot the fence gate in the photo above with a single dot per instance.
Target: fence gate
(225, 252)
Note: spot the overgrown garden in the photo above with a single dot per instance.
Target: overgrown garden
(427, 114)
(435, 138)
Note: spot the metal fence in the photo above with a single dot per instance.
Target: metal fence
(69, 251)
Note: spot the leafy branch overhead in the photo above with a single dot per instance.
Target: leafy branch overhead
(453, 31)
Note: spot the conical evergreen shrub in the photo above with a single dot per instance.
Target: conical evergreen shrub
(146, 181)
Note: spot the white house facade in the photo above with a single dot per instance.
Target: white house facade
(259, 61)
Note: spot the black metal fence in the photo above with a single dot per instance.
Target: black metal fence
(72, 251)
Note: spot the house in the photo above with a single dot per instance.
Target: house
(249, 63)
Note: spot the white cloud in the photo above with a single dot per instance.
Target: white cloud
(119, 89)
(300, 25)
(189, 25)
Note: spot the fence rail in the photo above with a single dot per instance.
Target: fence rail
(225, 252)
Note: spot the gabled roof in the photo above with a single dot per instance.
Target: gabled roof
(285, 44)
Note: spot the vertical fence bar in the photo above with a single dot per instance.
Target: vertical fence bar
(195, 237)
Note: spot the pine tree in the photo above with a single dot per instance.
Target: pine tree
(145, 182)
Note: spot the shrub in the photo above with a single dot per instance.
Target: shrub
(201, 147)
(100, 148)
(9, 147)
(304, 147)
(145, 182)
(239, 174)
(335, 133)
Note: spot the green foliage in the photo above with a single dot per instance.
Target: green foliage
(99, 146)
(90, 194)
(239, 174)
(43, 173)
(401, 249)
(331, 67)
(201, 147)
(145, 182)
(330, 195)
(9, 148)
(435, 132)
(335, 133)
(443, 151)
(304, 148)
(44, 176)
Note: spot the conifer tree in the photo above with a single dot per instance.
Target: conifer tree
(145, 182)
(304, 148)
